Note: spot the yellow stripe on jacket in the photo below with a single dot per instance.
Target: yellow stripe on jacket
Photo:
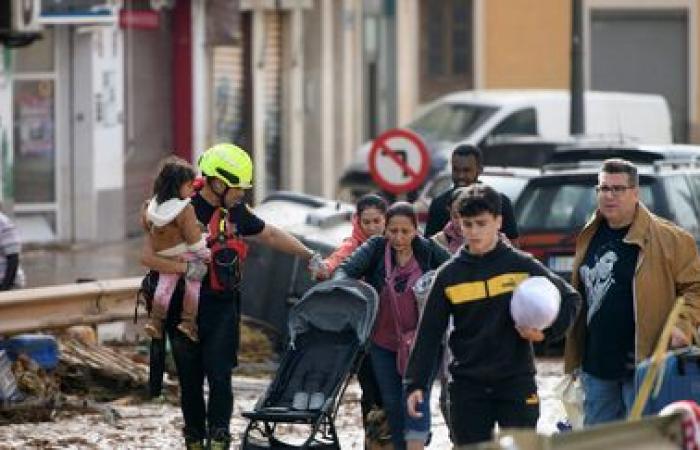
(479, 290)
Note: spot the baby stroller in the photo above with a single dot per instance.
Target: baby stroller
(329, 332)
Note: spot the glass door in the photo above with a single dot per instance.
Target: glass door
(34, 139)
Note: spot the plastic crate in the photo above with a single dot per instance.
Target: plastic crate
(42, 348)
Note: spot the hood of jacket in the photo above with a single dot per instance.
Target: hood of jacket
(160, 214)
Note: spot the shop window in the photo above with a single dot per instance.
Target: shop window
(447, 51)
(34, 141)
(33, 109)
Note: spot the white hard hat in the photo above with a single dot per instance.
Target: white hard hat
(535, 303)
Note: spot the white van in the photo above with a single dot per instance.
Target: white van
(474, 116)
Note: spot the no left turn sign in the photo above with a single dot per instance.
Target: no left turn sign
(398, 161)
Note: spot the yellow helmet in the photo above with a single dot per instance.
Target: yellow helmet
(228, 163)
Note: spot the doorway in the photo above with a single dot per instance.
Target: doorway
(643, 51)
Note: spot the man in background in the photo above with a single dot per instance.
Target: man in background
(466, 167)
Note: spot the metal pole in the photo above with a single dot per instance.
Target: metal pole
(577, 124)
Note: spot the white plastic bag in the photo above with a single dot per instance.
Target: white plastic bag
(570, 392)
(535, 303)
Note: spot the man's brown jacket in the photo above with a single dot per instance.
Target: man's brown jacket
(667, 266)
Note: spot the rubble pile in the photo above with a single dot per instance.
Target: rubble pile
(88, 377)
(85, 375)
(98, 371)
(32, 380)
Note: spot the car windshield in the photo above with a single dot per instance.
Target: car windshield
(450, 121)
(563, 204)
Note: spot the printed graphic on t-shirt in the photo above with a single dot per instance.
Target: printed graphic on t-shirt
(598, 280)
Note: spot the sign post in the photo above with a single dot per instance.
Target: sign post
(399, 161)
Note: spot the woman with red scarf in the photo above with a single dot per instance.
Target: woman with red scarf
(367, 221)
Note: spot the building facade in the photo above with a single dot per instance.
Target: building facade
(87, 112)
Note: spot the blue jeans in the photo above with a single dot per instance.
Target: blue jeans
(403, 427)
(606, 400)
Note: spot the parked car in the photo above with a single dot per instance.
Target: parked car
(554, 206)
(473, 117)
(535, 151)
(510, 181)
(272, 281)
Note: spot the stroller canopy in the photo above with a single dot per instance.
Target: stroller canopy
(333, 306)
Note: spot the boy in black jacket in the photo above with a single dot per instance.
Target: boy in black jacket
(493, 370)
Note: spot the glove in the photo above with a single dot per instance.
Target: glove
(316, 265)
(195, 270)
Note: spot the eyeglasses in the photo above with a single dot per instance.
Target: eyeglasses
(615, 190)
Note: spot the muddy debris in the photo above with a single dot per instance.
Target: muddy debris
(94, 378)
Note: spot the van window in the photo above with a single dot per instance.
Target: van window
(450, 121)
(682, 205)
(523, 122)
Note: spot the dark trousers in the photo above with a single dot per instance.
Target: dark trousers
(369, 386)
(474, 408)
(213, 357)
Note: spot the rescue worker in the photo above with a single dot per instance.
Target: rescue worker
(228, 171)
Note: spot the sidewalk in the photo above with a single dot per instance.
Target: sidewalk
(47, 266)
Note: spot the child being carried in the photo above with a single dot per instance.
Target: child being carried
(170, 220)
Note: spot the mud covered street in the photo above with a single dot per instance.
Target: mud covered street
(155, 425)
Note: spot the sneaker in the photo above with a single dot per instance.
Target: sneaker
(194, 445)
(219, 439)
(217, 444)
(189, 330)
(316, 401)
(300, 402)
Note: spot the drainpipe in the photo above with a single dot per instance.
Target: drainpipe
(577, 124)
(182, 79)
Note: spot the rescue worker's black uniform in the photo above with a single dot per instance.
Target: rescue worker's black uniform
(215, 355)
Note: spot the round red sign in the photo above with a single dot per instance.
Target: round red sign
(399, 161)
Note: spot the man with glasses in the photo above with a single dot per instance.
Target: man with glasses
(630, 266)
